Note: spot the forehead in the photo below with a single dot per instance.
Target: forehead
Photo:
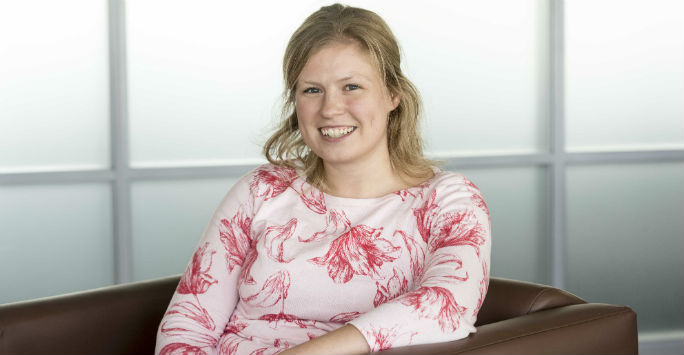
(340, 59)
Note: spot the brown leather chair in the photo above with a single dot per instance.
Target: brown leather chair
(516, 317)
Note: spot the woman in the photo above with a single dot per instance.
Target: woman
(349, 241)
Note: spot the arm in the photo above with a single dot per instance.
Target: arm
(452, 281)
(207, 293)
(344, 340)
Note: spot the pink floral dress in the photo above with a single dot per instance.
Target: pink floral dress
(281, 263)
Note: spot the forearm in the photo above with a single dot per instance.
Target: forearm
(344, 340)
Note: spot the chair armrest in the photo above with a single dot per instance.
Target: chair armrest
(120, 319)
(590, 328)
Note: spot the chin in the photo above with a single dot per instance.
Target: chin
(335, 159)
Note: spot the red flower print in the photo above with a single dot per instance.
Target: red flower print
(276, 237)
(470, 184)
(345, 317)
(229, 344)
(312, 198)
(273, 291)
(445, 258)
(235, 236)
(439, 279)
(181, 349)
(382, 338)
(194, 312)
(484, 285)
(274, 318)
(436, 303)
(414, 192)
(416, 254)
(476, 198)
(196, 279)
(424, 216)
(188, 311)
(245, 276)
(336, 223)
(234, 327)
(395, 286)
(231, 339)
(458, 228)
(200, 339)
(480, 203)
(270, 181)
(279, 345)
(360, 251)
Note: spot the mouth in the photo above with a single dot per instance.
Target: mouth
(337, 132)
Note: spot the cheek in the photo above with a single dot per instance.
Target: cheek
(305, 111)
(304, 121)
(369, 111)
(361, 107)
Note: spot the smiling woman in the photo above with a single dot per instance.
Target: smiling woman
(349, 241)
(372, 65)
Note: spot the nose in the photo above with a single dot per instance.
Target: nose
(333, 104)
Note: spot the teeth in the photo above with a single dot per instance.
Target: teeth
(336, 132)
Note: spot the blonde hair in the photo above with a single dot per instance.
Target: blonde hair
(339, 23)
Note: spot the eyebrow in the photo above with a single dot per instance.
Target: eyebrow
(348, 77)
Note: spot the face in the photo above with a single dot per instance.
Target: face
(343, 105)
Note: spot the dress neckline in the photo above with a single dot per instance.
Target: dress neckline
(351, 201)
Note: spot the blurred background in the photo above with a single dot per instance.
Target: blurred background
(123, 124)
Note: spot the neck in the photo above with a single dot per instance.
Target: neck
(366, 180)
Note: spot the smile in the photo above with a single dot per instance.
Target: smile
(336, 132)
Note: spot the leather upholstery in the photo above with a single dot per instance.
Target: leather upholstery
(511, 298)
(120, 319)
(588, 328)
(516, 317)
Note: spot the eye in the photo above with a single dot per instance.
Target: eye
(350, 87)
(311, 90)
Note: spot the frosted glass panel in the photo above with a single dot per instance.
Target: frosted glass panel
(205, 78)
(517, 201)
(54, 86)
(624, 74)
(625, 231)
(54, 239)
(481, 68)
(169, 218)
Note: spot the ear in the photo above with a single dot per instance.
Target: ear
(394, 101)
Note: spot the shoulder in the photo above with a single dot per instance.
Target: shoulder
(258, 185)
(268, 180)
(449, 181)
(452, 190)
(265, 177)
(272, 173)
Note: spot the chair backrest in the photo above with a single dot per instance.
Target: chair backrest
(124, 319)
(512, 298)
(121, 319)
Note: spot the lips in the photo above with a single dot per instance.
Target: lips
(336, 132)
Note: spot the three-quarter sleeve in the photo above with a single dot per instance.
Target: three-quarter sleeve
(208, 290)
(450, 282)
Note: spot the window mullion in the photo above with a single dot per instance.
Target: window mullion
(557, 146)
(119, 143)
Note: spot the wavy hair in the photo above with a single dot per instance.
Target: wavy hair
(340, 23)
